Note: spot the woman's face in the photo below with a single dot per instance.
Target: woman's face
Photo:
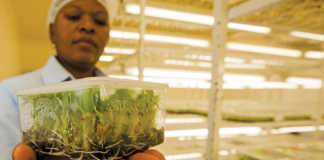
(80, 33)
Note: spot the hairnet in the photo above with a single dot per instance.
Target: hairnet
(57, 5)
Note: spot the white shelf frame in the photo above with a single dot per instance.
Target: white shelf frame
(221, 15)
(219, 38)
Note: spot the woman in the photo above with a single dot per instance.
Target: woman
(79, 30)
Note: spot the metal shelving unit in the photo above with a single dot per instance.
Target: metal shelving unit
(281, 16)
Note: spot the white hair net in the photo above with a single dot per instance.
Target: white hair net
(110, 5)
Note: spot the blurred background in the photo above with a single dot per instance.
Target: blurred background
(272, 103)
(25, 44)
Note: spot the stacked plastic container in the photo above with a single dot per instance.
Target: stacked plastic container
(93, 118)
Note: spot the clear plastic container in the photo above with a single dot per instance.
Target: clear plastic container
(93, 118)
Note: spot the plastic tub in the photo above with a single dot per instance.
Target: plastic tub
(93, 118)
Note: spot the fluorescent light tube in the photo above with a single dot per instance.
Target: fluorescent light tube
(293, 129)
(223, 153)
(179, 62)
(243, 78)
(314, 54)
(234, 86)
(177, 40)
(224, 132)
(169, 14)
(165, 73)
(160, 38)
(205, 64)
(234, 60)
(251, 131)
(321, 128)
(249, 28)
(244, 66)
(268, 62)
(123, 34)
(187, 63)
(184, 120)
(306, 82)
(236, 63)
(273, 85)
(198, 57)
(263, 49)
(184, 156)
(172, 82)
(106, 58)
(186, 133)
(209, 58)
(179, 82)
(258, 85)
(258, 61)
(319, 37)
(126, 51)
(192, 18)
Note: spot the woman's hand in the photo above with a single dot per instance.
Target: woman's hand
(150, 154)
(24, 152)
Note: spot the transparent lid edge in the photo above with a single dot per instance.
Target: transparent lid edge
(88, 83)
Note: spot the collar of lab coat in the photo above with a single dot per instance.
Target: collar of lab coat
(54, 72)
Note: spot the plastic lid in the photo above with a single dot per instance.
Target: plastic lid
(91, 82)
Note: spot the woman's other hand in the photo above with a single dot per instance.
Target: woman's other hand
(150, 154)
